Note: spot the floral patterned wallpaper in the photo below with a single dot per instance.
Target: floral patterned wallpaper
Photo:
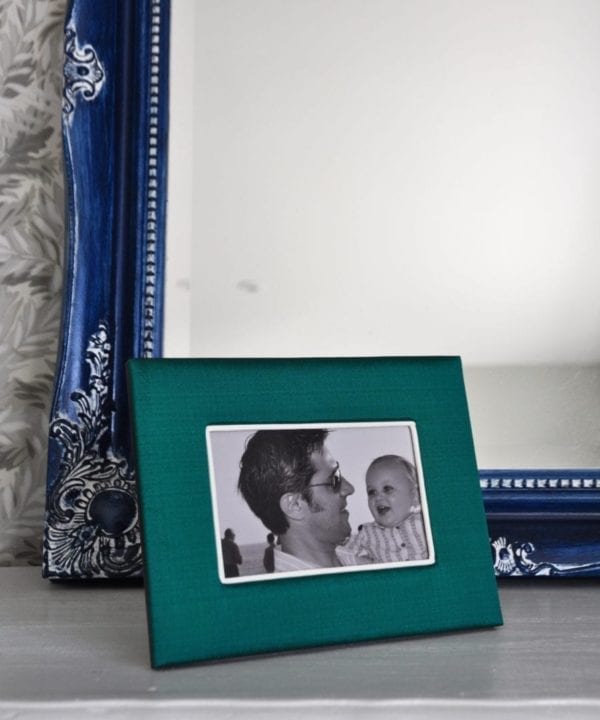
(31, 240)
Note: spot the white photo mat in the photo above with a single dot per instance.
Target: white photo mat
(353, 445)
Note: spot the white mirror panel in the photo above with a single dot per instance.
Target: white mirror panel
(397, 178)
(535, 416)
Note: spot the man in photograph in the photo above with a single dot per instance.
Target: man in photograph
(294, 485)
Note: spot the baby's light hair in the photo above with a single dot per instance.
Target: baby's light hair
(408, 469)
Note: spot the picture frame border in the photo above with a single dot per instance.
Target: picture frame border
(188, 606)
(114, 128)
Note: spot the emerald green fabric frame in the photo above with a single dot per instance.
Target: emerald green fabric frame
(192, 616)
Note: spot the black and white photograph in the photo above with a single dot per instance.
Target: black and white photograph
(304, 499)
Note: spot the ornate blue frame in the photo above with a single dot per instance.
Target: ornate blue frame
(115, 129)
(543, 522)
(115, 112)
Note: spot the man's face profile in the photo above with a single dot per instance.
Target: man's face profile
(328, 519)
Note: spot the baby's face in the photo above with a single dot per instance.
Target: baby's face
(390, 496)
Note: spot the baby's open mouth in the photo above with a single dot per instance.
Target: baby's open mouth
(383, 509)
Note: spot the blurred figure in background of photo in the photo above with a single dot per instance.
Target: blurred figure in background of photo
(269, 556)
(231, 554)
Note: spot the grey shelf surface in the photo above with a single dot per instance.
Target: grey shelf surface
(80, 650)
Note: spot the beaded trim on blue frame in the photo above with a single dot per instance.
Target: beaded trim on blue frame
(115, 137)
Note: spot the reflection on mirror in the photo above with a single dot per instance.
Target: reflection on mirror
(397, 178)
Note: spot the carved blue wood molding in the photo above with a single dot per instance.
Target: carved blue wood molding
(543, 522)
(115, 111)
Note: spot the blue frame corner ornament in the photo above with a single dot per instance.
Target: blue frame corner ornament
(83, 72)
(115, 113)
(543, 522)
(92, 520)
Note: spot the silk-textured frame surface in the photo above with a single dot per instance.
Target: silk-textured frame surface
(192, 614)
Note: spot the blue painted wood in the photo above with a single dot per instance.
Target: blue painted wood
(543, 522)
(114, 132)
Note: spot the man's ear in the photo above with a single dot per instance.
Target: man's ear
(293, 505)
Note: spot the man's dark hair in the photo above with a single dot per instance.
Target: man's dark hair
(276, 462)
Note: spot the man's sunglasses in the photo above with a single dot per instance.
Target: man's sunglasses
(335, 484)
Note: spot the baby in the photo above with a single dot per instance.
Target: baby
(398, 533)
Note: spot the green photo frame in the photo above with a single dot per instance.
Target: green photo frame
(194, 613)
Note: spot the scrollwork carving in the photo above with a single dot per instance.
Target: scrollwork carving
(83, 72)
(92, 526)
(514, 559)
